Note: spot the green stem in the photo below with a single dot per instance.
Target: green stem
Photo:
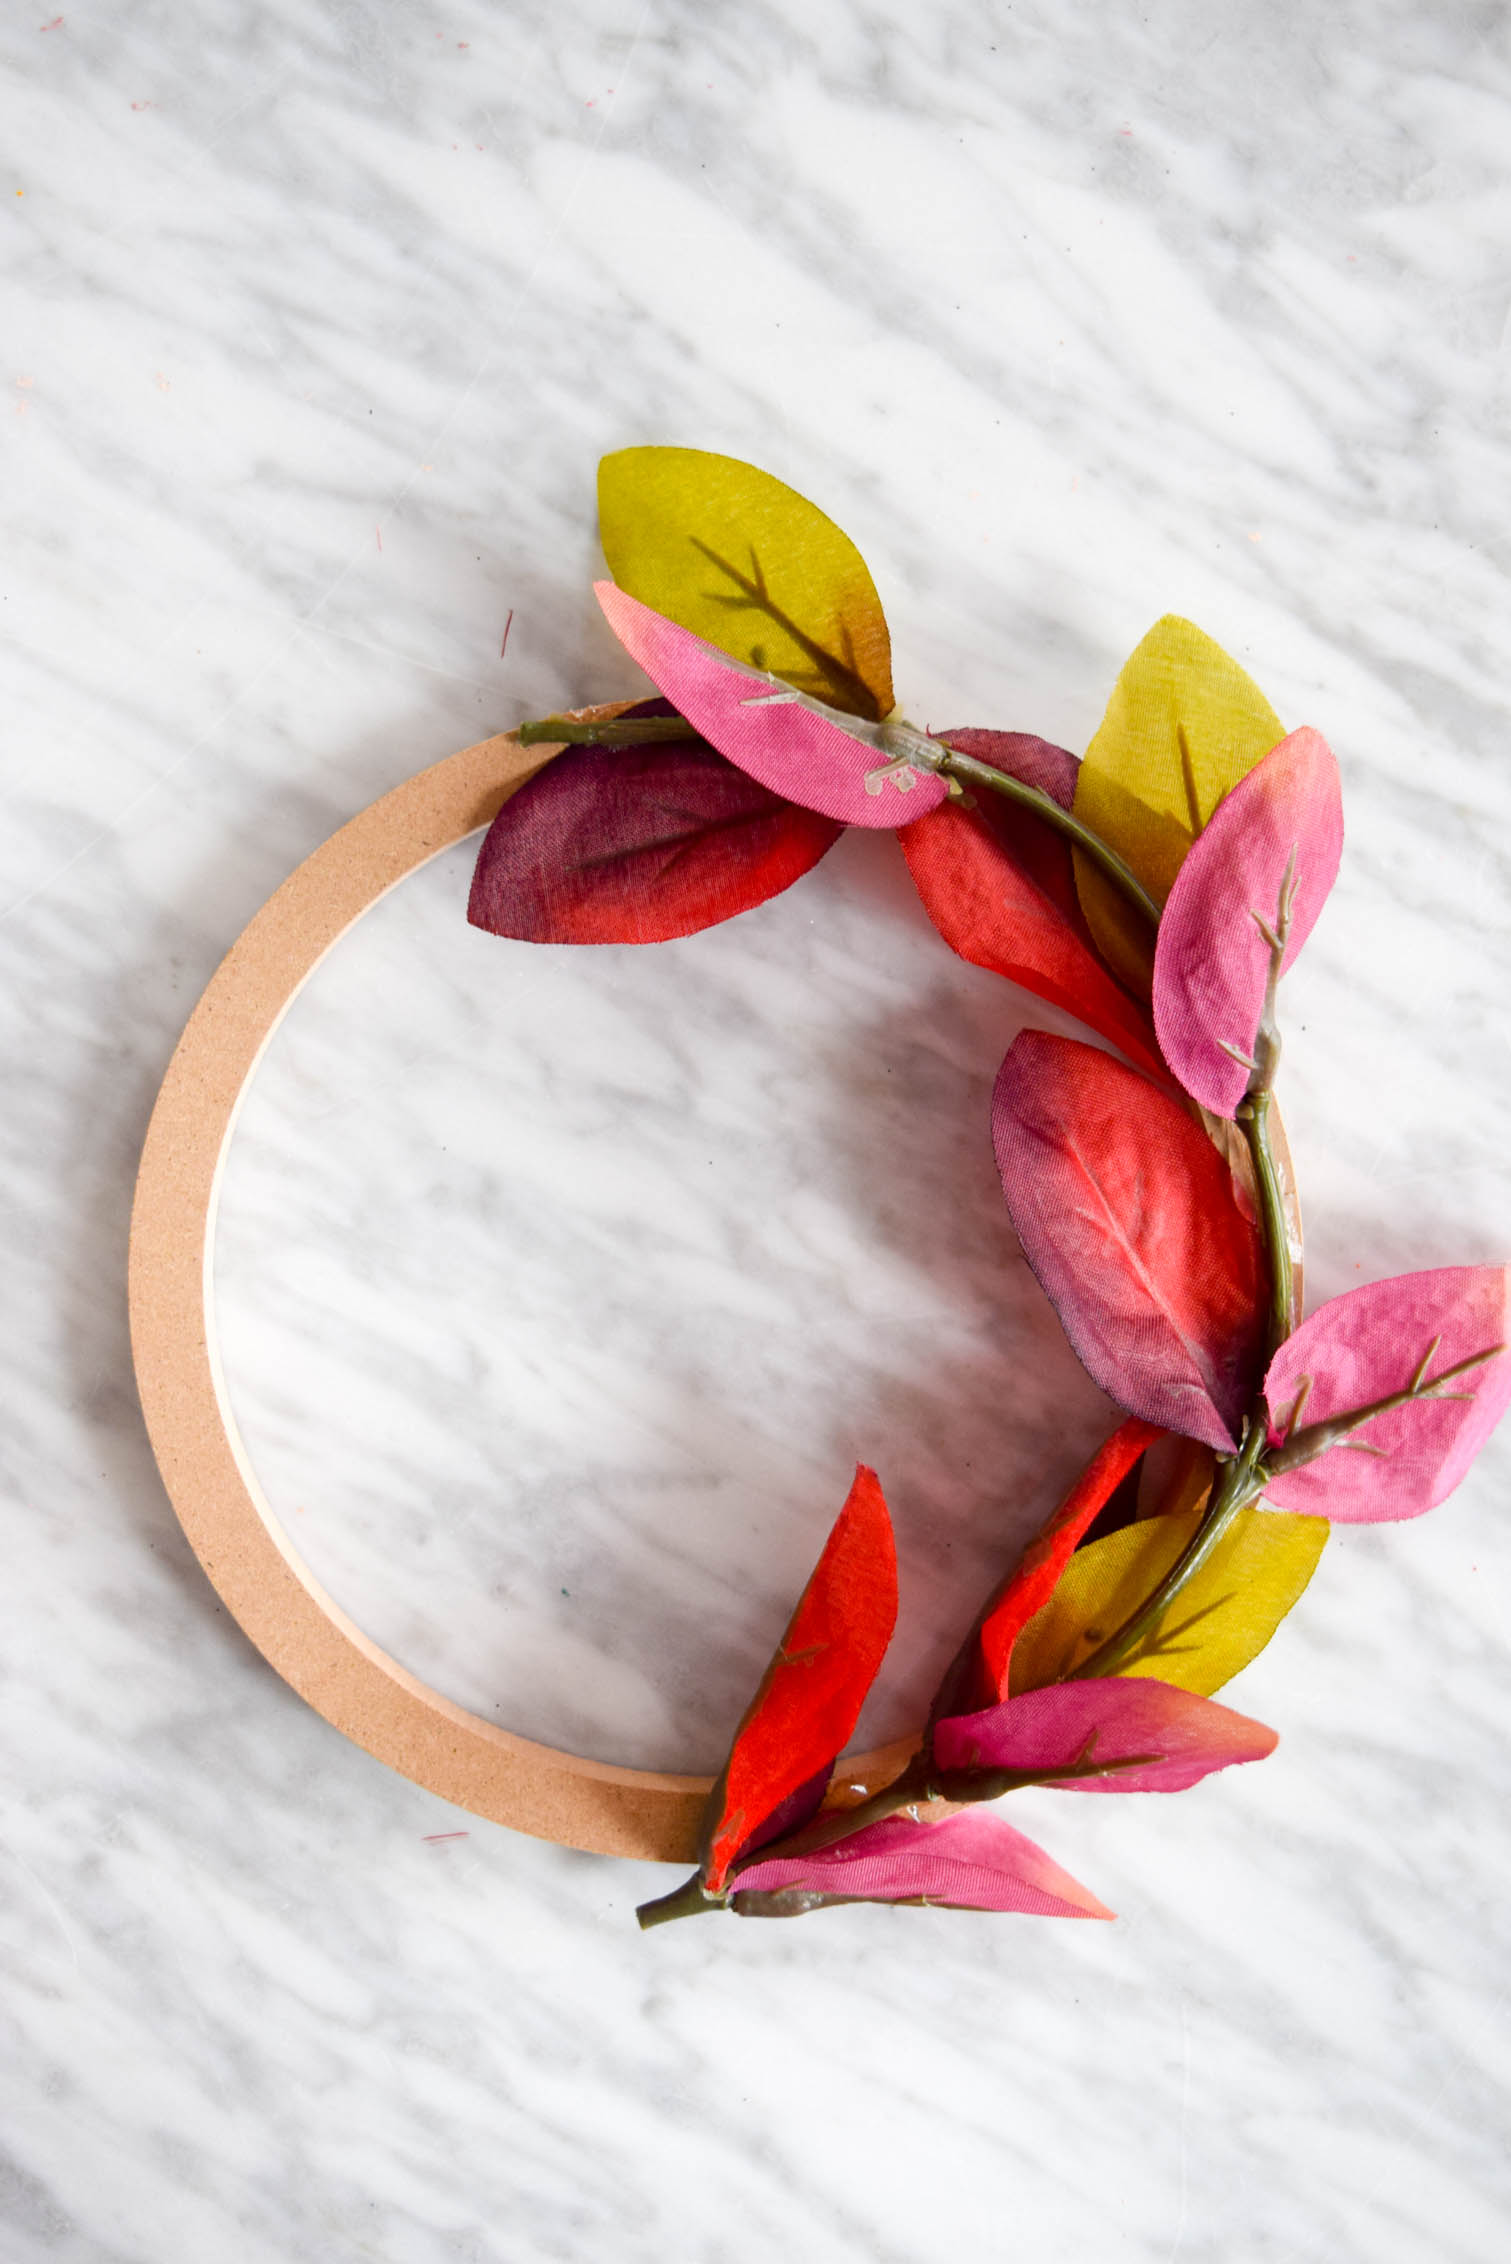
(909, 1790)
(966, 767)
(1244, 1478)
(920, 1783)
(609, 731)
(1254, 1117)
(1239, 1486)
(1297, 1448)
(686, 1901)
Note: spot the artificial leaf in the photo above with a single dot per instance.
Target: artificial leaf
(997, 884)
(970, 1860)
(1391, 1338)
(1258, 875)
(1037, 762)
(1221, 1619)
(638, 844)
(748, 563)
(1041, 851)
(855, 771)
(790, 1815)
(1183, 725)
(1127, 1215)
(811, 1694)
(979, 1673)
(1165, 1738)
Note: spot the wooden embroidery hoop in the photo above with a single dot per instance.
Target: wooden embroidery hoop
(250, 1560)
(299, 1629)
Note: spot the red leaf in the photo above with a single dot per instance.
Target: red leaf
(1126, 1213)
(971, 1860)
(1273, 843)
(980, 1673)
(998, 884)
(1176, 1737)
(790, 1815)
(1369, 1345)
(810, 1699)
(638, 844)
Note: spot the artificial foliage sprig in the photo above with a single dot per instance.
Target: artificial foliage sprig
(1158, 891)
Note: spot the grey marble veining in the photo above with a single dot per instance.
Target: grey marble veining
(545, 1271)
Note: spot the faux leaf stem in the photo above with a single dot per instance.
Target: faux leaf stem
(1238, 1487)
(1254, 1118)
(956, 764)
(1243, 1477)
(607, 731)
(1303, 1446)
(923, 1782)
(686, 1901)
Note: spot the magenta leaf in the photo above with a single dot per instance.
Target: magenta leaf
(637, 845)
(845, 768)
(1127, 1215)
(1246, 897)
(971, 1860)
(1175, 1737)
(1432, 1348)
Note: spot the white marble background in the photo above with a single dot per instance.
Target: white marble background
(546, 1272)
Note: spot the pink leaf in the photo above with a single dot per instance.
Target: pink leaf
(837, 764)
(1273, 842)
(971, 1860)
(1126, 1213)
(1101, 1721)
(1372, 1344)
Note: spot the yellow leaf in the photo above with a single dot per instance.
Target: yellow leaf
(749, 565)
(1221, 1619)
(1184, 724)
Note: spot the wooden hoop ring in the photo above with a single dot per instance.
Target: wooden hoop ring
(298, 1628)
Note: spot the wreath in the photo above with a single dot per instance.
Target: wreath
(1157, 890)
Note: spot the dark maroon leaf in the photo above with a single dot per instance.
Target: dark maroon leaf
(637, 845)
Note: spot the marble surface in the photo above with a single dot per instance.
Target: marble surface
(560, 1291)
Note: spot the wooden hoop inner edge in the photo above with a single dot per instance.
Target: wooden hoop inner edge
(250, 1561)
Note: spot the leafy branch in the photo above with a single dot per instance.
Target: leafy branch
(921, 1785)
(1239, 1485)
(911, 746)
